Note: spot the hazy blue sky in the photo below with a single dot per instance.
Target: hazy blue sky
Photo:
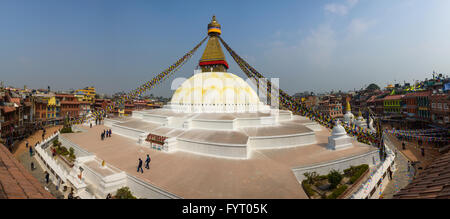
(310, 45)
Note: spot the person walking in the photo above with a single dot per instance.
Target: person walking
(90, 124)
(403, 146)
(31, 151)
(47, 177)
(70, 196)
(58, 184)
(147, 162)
(32, 166)
(140, 166)
(26, 144)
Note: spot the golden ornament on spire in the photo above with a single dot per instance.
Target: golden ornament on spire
(349, 109)
(214, 27)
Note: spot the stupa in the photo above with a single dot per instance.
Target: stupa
(339, 138)
(348, 117)
(214, 139)
(360, 121)
(217, 113)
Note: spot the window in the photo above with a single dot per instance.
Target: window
(433, 105)
(439, 105)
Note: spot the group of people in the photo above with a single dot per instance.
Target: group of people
(147, 164)
(106, 133)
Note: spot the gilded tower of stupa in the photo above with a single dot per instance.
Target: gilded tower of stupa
(213, 59)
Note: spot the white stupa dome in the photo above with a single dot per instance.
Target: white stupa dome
(216, 92)
(349, 117)
(338, 130)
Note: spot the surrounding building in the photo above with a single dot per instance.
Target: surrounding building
(331, 105)
(440, 112)
(393, 105)
(423, 105)
(87, 94)
(69, 105)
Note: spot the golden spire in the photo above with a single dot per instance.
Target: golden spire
(349, 109)
(213, 58)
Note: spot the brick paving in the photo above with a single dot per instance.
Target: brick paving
(413, 153)
(39, 173)
(35, 137)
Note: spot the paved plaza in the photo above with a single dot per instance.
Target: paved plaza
(267, 174)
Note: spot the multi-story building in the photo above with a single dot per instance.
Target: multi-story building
(69, 105)
(411, 105)
(331, 106)
(129, 108)
(392, 105)
(47, 109)
(440, 112)
(423, 105)
(85, 109)
(87, 94)
(140, 104)
(12, 114)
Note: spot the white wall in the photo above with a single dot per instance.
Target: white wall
(213, 124)
(371, 158)
(143, 189)
(210, 149)
(126, 132)
(273, 142)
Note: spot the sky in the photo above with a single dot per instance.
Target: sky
(318, 46)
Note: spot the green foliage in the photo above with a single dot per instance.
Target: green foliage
(308, 189)
(373, 87)
(359, 171)
(337, 192)
(61, 150)
(67, 129)
(71, 151)
(334, 178)
(72, 156)
(311, 177)
(124, 193)
(56, 143)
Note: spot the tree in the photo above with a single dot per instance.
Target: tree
(311, 177)
(124, 193)
(373, 87)
(334, 178)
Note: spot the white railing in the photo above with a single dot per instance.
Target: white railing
(48, 159)
(372, 182)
